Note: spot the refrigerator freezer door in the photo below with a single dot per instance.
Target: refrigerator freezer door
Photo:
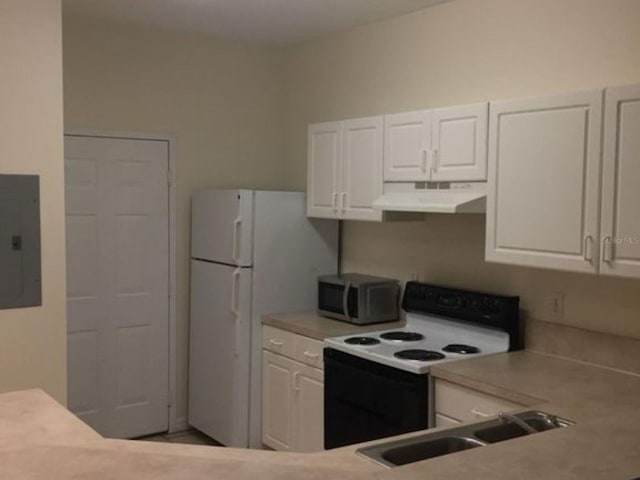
(290, 251)
(221, 226)
(219, 351)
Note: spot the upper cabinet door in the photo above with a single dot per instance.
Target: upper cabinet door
(324, 160)
(362, 168)
(459, 143)
(406, 145)
(620, 183)
(544, 167)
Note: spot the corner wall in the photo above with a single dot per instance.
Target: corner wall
(33, 340)
(222, 102)
(459, 52)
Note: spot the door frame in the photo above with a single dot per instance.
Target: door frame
(175, 424)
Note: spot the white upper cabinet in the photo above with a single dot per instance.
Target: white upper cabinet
(361, 168)
(407, 143)
(459, 143)
(323, 169)
(345, 169)
(442, 145)
(620, 226)
(543, 192)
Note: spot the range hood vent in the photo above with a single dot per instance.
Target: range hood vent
(452, 200)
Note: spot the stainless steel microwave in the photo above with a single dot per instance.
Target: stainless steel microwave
(359, 299)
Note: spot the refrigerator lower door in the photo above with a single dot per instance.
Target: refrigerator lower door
(220, 351)
(222, 226)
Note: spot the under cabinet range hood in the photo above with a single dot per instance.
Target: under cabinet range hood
(458, 198)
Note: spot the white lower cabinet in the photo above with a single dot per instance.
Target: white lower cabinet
(277, 398)
(455, 404)
(308, 406)
(293, 393)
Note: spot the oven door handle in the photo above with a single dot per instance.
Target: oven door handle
(345, 301)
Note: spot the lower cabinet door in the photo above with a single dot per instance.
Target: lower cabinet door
(308, 384)
(277, 401)
(292, 404)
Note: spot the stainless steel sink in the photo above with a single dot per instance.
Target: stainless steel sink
(436, 444)
(539, 421)
(414, 452)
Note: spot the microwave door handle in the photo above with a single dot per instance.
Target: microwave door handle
(345, 301)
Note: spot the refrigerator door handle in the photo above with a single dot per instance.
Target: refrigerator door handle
(236, 239)
(235, 277)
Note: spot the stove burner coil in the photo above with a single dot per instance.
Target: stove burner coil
(460, 348)
(400, 336)
(362, 341)
(419, 355)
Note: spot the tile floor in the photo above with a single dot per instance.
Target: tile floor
(191, 437)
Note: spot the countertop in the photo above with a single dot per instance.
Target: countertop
(39, 439)
(310, 324)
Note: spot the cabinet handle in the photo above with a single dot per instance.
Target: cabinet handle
(588, 248)
(607, 249)
(479, 413)
(310, 355)
(435, 160)
(344, 201)
(334, 202)
(275, 343)
(424, 161)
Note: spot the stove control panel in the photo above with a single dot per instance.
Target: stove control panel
(495, 311)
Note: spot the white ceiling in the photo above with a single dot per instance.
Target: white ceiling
(268, 22)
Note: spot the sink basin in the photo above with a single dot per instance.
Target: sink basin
(539, 421)
(426, 449)
(500, 433)
(444, 442)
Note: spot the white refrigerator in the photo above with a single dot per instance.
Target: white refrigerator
(252, 253)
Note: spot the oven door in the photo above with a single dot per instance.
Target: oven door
(365, 400)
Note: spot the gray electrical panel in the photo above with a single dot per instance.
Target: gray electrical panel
(20, 274)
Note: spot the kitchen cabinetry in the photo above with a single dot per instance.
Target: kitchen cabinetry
(293, 392)
(345, 169)
(445, 144)
(620, 222)
(455, 404)
(544, 174)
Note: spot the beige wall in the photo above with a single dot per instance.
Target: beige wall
(33, 340)
(459, 52)
(222, 102)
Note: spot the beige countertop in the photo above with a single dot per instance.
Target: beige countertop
(603, 444)
(39, 439)
(310, 324)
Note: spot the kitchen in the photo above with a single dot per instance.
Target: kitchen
(459, 52)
